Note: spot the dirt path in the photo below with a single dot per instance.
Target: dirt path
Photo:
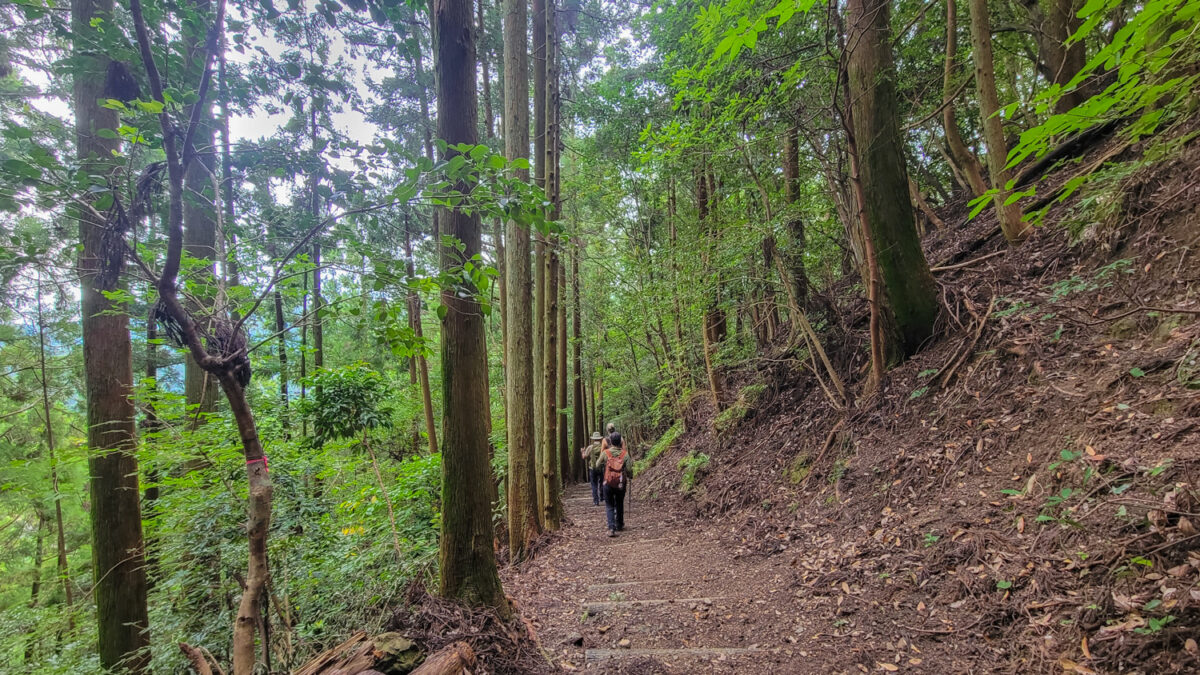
(662, 597)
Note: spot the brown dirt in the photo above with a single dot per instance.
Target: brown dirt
(1021, 496)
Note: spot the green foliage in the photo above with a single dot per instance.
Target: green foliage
(660, 446)
(346, 402)
(692, 466)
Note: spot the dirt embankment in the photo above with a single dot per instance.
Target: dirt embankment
(1023, 494)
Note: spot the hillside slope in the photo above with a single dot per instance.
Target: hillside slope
(1021, 494)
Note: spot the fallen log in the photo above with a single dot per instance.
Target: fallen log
(359, 655)
(457, 659)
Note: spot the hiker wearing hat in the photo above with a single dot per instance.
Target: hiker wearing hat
(595, 467)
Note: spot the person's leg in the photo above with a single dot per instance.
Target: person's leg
(620, 509)
(610, 510)
(594, 479)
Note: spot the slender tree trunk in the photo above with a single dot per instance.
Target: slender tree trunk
(1011, 223)
(467, 561)
(414, 308)
(714, 317)
(523, 511)
(538, 9)
(907, 283)
(304, 352)
(578, 408)
(552, 506)
(965, 161)
(795, 224)
(314, 212)
(281, 329)
(421, 364)
(497, 223)
(52, 454)
(551, 473)
(117, 546)
(565, 466)
(200, 210)
(35, 588)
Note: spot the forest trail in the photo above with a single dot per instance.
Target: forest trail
(673, 594)
(663, 596)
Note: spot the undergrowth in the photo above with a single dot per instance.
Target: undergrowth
(669, 436)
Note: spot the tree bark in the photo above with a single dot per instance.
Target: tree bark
(414, 300)
(199, 209)
(523, 515)
(907, 284)
(467, 562)
(714, 316)
(565, 466)
(1053, 23)
(117, 547)
(1011, 223)
(579, 407)
(457, 659)
(538, 9)
(795, 224)
(965, 161)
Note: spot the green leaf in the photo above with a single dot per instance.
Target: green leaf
(1137, 372)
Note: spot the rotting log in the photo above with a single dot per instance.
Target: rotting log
(358, 655)
(455, 659)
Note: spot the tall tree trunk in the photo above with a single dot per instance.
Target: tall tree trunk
(565, 466)
(304, 318)
(117, 546)
(199, 210)
(965, 161)
(52, 455)
(538, 8)
(414, 300)
(579, 405)
(314, 212)
(552, 504)
(907, 283)
(523, 515)
(35, 587)
(422, 364)
(497, 223)
(467, 563)
(1015, 230)
(714, 316)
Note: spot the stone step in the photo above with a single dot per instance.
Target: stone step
(618, 604)
(600, 655)
(647, 582)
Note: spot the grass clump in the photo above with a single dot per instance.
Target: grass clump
(799, 469)
(747, 401)
(692, 466)
(660, 446)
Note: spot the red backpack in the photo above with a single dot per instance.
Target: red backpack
(614, 469)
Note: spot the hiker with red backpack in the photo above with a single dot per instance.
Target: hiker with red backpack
(618, 471)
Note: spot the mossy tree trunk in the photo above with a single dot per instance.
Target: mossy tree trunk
(907, 284)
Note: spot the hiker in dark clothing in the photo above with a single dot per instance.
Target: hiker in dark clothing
(593, 460)
(618, 471)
